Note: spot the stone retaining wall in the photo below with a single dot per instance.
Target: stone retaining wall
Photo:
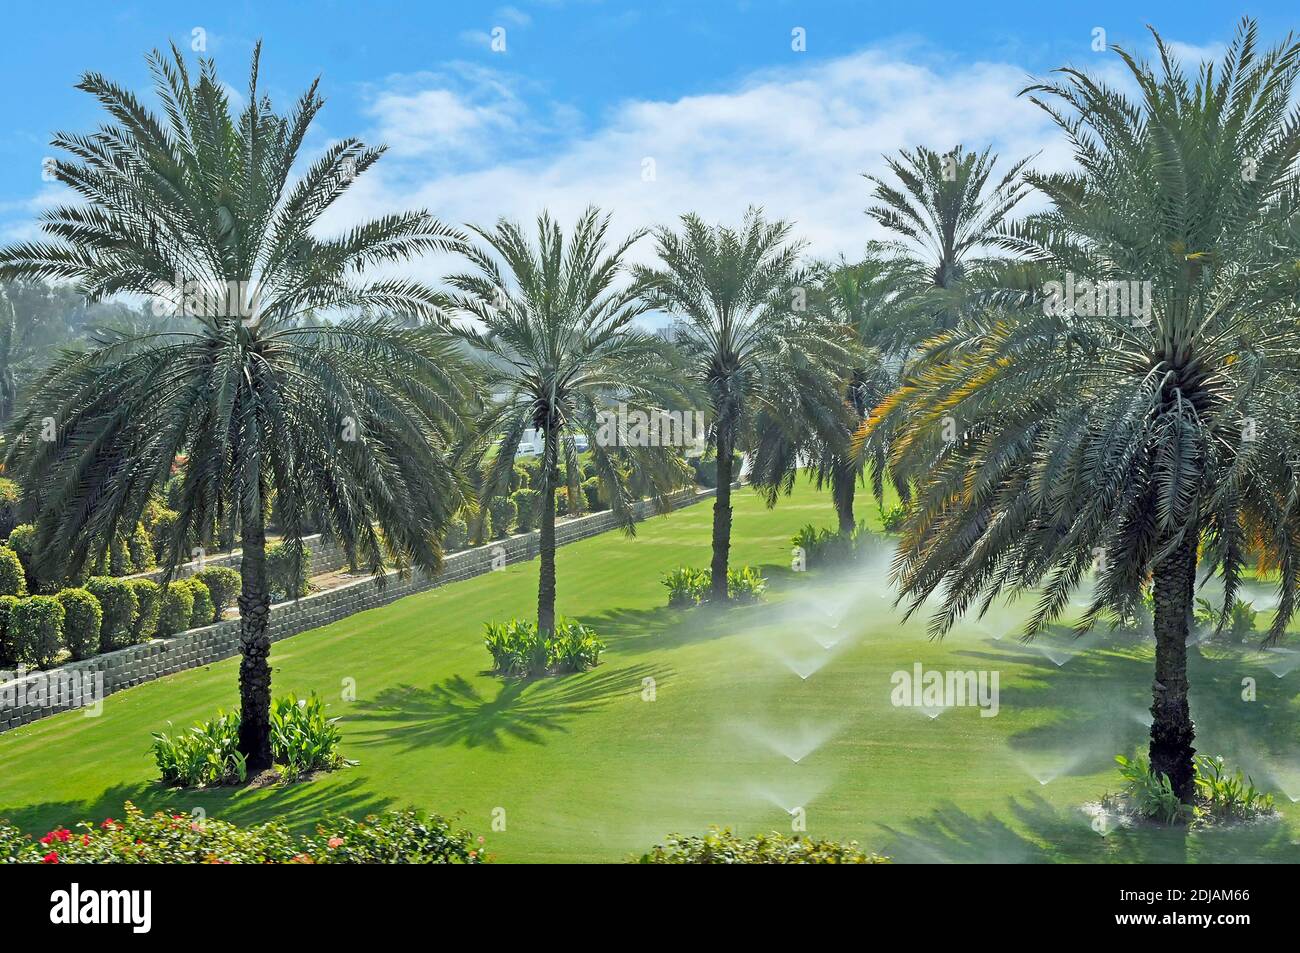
(37, 694)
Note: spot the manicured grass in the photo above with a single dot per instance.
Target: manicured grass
(586, 769)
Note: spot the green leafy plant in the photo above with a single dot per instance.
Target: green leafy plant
(1151, 794)
(303, 738)
(204, 608)
(745, 584)
(686, 585)
(22, 540)
(457, 535)
(724, 847)
(1225, 795)
(519, 650)
(119, 604)
(893, 519)
(503, 512)
(205, 755)
(223, 586)
(82, 619)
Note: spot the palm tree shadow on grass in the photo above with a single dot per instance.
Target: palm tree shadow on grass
(298, 806)
(1103, 694)
(1043, 834)
(456, 712)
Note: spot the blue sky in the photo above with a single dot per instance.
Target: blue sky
(586, 92)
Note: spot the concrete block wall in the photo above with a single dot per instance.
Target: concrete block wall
(324, 557)
(35, 695)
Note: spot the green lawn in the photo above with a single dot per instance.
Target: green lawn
(585, 769)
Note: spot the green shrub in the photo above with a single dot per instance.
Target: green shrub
(724, 847)
(119, 604)
(521, 477)
(457, 535)
(283, 578)
(394, 837)
(13, 578)
(37, 625)
(22, 540)
(161, 533)
(481, 528)
(686, 586)
(745, 584)
(303, 739)
(140, 548)
(503, 512)
(1151, 794)
(519, 650)
(148, 595)
(223, 585)
(593, 496)
(8, 641)
(1240, 623)
(82, 618)
(177, 609)
(573, 647)
(206, 755)
(204, 607)
(516, 647)
(525, 501)
(894, 518)
(10, 498)
(706, 469)
(1225, 796)
(160, 839)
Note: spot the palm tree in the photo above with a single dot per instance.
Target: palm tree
(346, 422)
(1135, 441)
(750, 347)
(13, 356)
(864, 297)
(553, 333)
(944, 216)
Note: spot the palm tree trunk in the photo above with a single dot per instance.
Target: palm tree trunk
(721, 524)
(546, 544)
(254, 646)
(1172, 730)
(843, 485)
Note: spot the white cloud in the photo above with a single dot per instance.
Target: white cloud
(795, 141)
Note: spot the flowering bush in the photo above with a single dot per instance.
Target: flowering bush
(393, 837)
(724, 847)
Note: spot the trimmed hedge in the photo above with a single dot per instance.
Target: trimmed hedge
(177, 609)
(201, 614)
(223, 585)
(120, 604)
(37, 625)
(457, 535)
(525, 501)
(13, 578)
(503, 512)
(148, 596)
(82, 618)
(8, 643)
(23, 541)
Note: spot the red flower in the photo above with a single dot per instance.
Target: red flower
(61, 834)
(51, 858)
(336, 842)
(108, 823)
(85, 839)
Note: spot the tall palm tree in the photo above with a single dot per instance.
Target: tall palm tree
(943, 216)
(864, 297)
(749, 346)
(347, 422)
(1136, 444)
(13, 356)
(552, 327)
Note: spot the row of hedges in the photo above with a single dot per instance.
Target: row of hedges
(107, 614)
